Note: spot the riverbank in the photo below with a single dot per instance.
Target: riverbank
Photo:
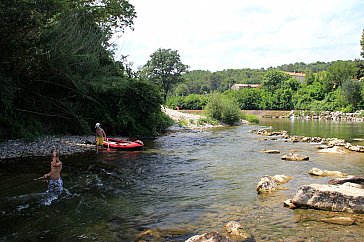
(187, 120)
(41, 147)
(69, 145)
(307, 115)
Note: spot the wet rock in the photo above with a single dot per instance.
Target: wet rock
(357, 148)
(339, 220)
(339, 198)
(288, 203)
(311, 139)
(334, 150)
(271, 151)
(270, 183)
(295, 157)
(318, 172)
(209, 237)
(352, 179)
(295, 139)
(281, 179)
(266, 184)
(337, 142)
(157, 234)
(321, 147)
(236, 230)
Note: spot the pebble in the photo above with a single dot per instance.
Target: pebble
(68, 145)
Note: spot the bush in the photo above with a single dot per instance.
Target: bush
(191, 102)
(251, 118)
(207, 120)
(223, 109)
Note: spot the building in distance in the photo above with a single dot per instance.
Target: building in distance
(240, 86)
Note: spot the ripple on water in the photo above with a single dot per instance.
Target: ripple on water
(190, 182)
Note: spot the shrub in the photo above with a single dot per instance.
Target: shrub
(251, 118)
(223, 109)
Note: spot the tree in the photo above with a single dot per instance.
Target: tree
(273, 79)
(351, 92)
(181, 90)
(165, 69)
(341, 71)
(58, 73)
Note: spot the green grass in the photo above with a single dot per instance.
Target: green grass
(251, 118)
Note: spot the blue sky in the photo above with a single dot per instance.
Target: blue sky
(234, 34)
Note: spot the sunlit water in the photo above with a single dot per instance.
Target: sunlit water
(181, 184)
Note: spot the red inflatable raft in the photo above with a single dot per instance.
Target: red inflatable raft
(123, 144)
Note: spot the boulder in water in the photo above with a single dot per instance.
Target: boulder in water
(339, 220)
(270, 183)
(295, 157)
(339, 198)
(334, 150)
(318, 172)
(236, 230)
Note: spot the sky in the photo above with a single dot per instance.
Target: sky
(234, 34)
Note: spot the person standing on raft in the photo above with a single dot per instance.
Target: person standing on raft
(100, 137)
(55, 183)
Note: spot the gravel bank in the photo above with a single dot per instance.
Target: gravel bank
(187, 120)
(69, 145)
(41, 147)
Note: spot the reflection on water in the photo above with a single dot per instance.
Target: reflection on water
(180, 185)
(317, 128)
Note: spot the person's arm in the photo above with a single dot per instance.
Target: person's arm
(46, 175)
(104, 134)
(58, 163)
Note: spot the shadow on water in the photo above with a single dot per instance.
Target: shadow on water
(180, 185)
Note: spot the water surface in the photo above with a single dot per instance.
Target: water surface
(181, 184)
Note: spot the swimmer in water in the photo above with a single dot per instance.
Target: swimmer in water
(55, 183)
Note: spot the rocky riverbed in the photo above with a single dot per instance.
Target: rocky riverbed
(67, 145)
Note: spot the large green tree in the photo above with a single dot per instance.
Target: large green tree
(273, 79)
(58, 72)
(165, 69)
(341, 71)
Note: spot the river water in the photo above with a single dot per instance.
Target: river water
(181, 184)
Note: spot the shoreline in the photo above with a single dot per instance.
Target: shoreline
(41, 147)
(77, 144)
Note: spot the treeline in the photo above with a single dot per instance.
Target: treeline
(204, 82)
(58, 74)
(339, 86)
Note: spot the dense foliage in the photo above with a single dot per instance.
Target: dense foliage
(281, 92)
(58, 74)
(333, 86)
(223, 108)
(164, 69)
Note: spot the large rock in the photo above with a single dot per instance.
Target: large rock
(295, 157)
(318, 172)
(266, 184)
(339, 198)
(334, 150)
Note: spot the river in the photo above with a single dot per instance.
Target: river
(181, 184)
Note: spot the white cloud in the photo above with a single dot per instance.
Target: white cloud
(216, 35)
